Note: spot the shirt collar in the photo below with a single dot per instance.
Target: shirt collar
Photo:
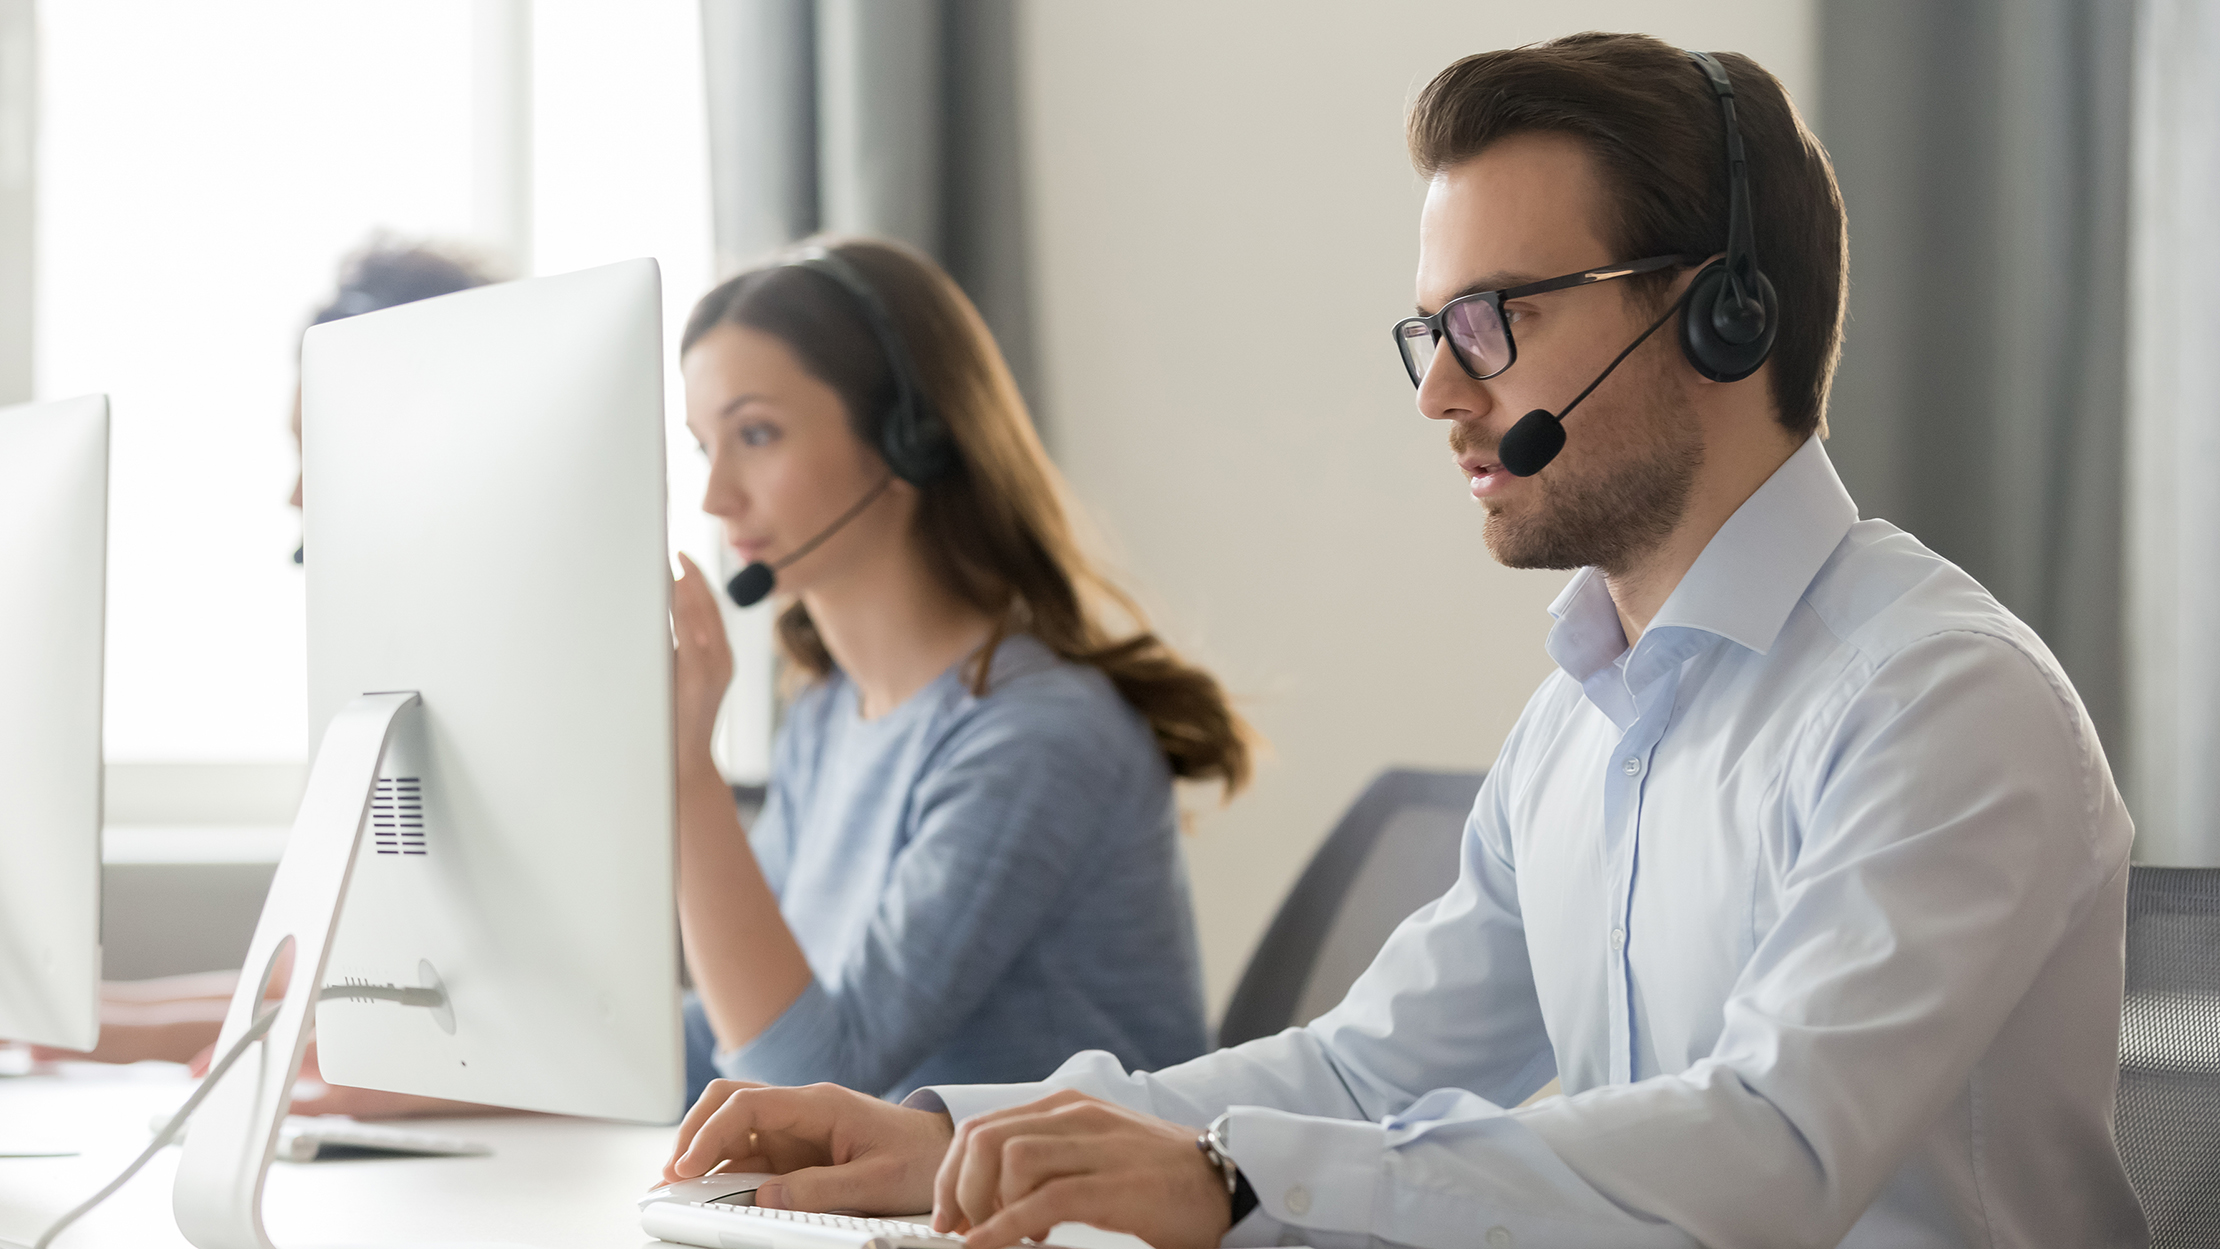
(1755, 570)
(1743, 586)
(1587, 634)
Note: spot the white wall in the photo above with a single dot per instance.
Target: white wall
(1224, 229)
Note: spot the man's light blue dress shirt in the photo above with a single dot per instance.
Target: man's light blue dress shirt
(1814, 900)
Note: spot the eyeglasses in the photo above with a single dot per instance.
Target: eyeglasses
(1479, 336)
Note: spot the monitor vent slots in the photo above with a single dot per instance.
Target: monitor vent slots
(397, 815)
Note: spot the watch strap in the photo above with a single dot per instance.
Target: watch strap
(1240, 1195)
(1244, 1197)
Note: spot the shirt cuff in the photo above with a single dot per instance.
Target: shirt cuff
(793, 1049)
(1315, 1179)
(1097, 1073)
(1258, 1230)
(961, 1101)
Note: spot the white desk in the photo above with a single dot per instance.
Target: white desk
(552, 1183)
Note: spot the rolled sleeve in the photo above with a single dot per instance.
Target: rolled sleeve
(787, 1051)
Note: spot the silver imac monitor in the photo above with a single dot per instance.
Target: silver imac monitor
(476, 899)
(53, 585)
(486, 526)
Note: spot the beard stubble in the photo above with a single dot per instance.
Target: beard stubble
(1626, 492)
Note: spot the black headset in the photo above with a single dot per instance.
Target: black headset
(1731, 315)
(915, 442)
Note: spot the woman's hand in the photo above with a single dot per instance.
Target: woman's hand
(1070, 1158)
(170, 1018)
(833, 1148)
(743, 957)
(701, 669)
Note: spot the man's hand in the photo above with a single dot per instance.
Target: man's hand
(833, 1148)
(1071, 1158)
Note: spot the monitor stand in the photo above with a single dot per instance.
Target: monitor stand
(218, 1193)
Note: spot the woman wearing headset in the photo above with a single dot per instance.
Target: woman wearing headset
(966, 867)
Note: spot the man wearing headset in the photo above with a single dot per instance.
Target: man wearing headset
(1805, 874)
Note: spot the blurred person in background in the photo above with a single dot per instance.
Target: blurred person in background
(386, 273)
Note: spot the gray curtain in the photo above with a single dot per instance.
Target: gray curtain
(2174, 434)
(1982, 147)
(896, 118)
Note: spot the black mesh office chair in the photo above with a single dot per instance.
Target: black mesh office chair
(1394, 851)
(2168, 1118)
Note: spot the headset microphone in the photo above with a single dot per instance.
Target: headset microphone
(752, 584)
(1529, 446)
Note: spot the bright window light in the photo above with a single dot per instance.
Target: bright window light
(202, 168)
(202, 171)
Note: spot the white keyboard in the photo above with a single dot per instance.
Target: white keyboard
(715, 1225)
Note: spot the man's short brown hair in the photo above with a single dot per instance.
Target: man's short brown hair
(1649, 118)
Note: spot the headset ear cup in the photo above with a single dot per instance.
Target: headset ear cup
(917, 446)
(1707, 350)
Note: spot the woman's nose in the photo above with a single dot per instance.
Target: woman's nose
(723, 495)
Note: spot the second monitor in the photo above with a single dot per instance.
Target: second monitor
(53, 560)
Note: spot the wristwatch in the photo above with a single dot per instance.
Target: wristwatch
(1239, 1195)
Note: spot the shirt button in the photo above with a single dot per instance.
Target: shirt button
(1498, 1237)
(1618, 938)
(1298, 1201)
(1632, 766)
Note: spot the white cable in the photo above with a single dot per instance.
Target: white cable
(169, 1130)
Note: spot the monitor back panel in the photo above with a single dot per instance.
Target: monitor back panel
(486, 525)
(53, 573)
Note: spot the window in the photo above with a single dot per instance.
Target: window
(201, 171)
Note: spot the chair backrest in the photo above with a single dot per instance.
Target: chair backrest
(2168, 1116)
(1394, 851)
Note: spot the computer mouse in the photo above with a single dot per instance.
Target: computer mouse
(733, 1188)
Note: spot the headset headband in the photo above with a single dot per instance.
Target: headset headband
(1741, 316)
(911, 439)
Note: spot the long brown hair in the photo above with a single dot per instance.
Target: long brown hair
(997, 528)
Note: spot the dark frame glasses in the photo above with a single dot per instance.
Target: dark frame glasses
(1479, 335)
